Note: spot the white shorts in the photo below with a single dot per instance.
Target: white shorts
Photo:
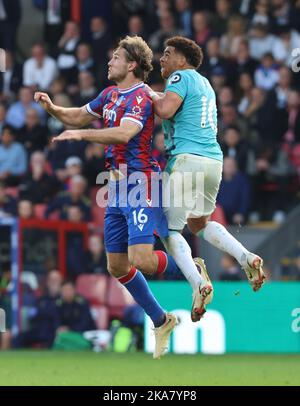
(191, 189)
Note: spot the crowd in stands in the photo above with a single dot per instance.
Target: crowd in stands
(249, 57)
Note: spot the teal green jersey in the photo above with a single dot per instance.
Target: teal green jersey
(193, 129)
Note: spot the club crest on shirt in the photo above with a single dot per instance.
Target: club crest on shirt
(175, 79)
(136, 110)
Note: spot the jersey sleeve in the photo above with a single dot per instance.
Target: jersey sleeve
(138, 109)
(95, 107)
(177, 83)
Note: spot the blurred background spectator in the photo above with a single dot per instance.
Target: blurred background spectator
(72, 311)
(230, 269)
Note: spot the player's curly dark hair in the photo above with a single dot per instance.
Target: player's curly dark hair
(137, 50)
(188, 48)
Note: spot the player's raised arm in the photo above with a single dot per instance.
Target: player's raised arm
(165, 104)
(73, 116)
(116, 135)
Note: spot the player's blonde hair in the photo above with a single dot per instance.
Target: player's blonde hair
(138, 50)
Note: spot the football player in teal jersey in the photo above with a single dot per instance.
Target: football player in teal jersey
(189, 113)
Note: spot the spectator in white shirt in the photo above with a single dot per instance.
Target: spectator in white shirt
(284, 45)
(67, 45)
(261, 41)
(266, 75)
(40, 70)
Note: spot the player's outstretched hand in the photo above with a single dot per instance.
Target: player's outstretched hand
(149, 90)
(44, 100)
(69, 135)
(154, 95)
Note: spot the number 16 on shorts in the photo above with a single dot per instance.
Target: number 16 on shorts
(139, 218)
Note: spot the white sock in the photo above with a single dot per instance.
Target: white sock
(217, 235)
(177, 246)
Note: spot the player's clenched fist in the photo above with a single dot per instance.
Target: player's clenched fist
(44, 100)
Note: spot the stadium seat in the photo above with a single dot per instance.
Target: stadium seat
(93, 288)
(118, 298)
(39, 211)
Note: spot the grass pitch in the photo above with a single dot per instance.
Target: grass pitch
(51, 368)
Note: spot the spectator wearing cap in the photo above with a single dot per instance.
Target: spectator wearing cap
(75, 196)
(39, 70)
(13, 158)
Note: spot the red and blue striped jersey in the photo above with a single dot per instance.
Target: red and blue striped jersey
(114, 105)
